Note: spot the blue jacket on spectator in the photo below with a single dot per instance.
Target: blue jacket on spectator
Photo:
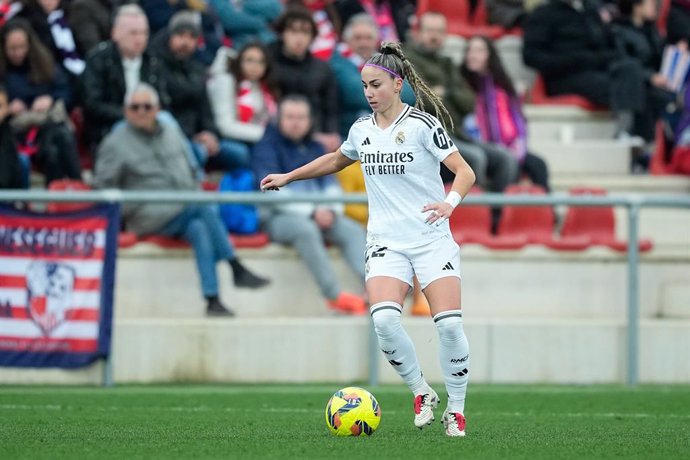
(250, 21)
(275, 153)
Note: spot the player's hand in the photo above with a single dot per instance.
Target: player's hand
(273, 182)
(438, 213)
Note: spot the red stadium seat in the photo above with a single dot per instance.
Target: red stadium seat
(126, 240)
(472, 224)
(659, 163)
(598, 223)
(255, 241)
(63, 185)
(538, 96)
(662, 17)
(209, 186)
(536, 222)
(480, 19)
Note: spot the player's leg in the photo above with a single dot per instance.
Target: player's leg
(439, 274)
(388, 282)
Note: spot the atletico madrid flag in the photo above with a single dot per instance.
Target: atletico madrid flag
(56, 286)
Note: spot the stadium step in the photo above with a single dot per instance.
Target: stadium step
(338, 350)
(571, 131)
(534, 281)
(586, 157)
(625, 183)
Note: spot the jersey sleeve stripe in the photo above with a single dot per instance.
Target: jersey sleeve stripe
(424, 120)
(423, 114)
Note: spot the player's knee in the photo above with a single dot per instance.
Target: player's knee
(386, 318)
(449, 328)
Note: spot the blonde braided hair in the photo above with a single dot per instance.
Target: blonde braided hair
(391, 57)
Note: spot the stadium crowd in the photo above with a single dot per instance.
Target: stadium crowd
(72, 73)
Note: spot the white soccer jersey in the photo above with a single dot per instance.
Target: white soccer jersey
(401, 171)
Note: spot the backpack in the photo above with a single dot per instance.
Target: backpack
(239, 218)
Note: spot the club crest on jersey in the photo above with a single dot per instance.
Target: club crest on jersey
(400, 137)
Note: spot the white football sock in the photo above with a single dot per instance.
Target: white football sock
(397, 346)
(454, 353)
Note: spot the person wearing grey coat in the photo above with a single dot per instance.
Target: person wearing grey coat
(148, 151)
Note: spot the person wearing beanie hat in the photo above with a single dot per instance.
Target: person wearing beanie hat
(185, 80)
(185, 21)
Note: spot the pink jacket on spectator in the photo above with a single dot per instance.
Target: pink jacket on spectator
(500, 119)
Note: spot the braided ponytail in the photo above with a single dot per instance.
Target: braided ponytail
(390, 56)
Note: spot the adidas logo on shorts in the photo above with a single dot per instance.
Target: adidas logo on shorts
(448, 266)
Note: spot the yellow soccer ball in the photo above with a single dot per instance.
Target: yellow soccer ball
(353, 411)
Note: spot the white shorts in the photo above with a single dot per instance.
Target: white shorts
(429, 262)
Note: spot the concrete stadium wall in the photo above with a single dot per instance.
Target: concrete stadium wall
(336, 350)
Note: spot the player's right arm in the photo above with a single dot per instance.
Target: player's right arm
(329, 163)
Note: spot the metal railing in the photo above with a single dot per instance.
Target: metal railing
(632, 202)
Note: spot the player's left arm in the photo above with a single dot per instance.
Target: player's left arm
(464, 180)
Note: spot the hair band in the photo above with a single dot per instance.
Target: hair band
(384, 69)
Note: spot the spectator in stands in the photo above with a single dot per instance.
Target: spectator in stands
(298, 72)
(498, 111)
(11, 174)
(328, 26)
(568, 42)
(115, 67)
(637, 37)
(248, 20)
(212, 36)
(90, 21)
(494, 167)
(360, 42)
(242, 92)
(47, 18)
(39, 95)
(393, 18)
(678, 21)
(9, 9)
(303, 225)
(506, 13)
(185, 80)
(150, 152)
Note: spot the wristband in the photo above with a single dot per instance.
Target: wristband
(453, 198)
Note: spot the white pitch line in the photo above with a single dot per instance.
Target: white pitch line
(301, 410)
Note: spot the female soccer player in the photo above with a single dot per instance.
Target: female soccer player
(399, 148)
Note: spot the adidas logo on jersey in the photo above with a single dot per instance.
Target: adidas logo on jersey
(366, 142)
(448, 266)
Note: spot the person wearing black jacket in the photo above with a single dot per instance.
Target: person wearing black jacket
(678, 21)
(401, 12)
(570, 44)
(185, 79)
(11, 174)
(116, 66)
(297, 71)
(637, 37)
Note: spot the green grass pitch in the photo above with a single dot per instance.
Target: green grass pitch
(287, 422)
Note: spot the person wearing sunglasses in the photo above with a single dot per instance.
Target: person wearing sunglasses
(149, 151)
